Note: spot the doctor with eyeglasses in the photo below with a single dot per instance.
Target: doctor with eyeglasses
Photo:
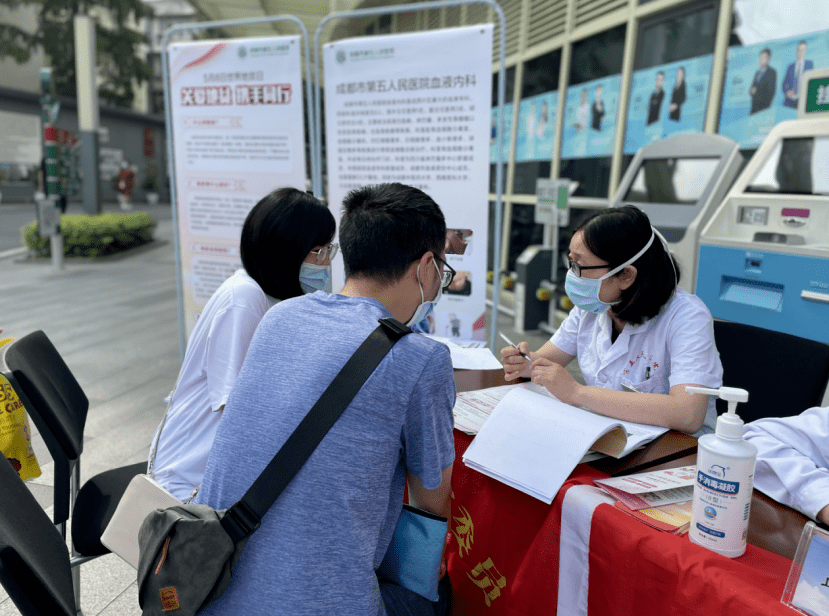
(638, 337)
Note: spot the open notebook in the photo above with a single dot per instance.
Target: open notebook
(532, 441)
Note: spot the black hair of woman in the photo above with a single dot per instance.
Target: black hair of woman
(615, 235)
(277, 236)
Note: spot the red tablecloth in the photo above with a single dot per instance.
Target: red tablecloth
(504, 556)
(504, 559)
(638, 571)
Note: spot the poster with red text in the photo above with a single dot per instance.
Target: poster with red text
(238, 134)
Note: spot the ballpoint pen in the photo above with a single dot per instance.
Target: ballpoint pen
(509, 342)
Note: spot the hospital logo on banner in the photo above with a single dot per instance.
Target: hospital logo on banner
(361, 55)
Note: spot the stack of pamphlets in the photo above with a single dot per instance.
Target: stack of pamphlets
(661, 499)
(473, 408)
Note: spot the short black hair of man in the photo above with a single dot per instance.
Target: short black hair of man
(615, 235)
(766, 51)
(386, 227)
(278, 234)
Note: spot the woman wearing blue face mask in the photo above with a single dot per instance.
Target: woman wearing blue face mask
(285, 249)
(639, 338)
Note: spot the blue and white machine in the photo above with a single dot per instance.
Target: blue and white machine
(764, 255)
(679, 182)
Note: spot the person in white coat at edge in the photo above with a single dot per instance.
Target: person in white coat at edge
(639, 338)
(793, 460)
(285, 249)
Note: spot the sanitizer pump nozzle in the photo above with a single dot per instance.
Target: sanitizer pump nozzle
(725, 476)
(729, 425)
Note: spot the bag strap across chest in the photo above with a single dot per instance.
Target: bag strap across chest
(245, 516)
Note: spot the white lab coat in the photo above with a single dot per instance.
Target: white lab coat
(793, 459)
(215, 353)
(675, 347)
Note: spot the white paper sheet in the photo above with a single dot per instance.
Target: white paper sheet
(468, 355)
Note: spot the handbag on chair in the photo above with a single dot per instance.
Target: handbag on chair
(142, 496)
(188, 552)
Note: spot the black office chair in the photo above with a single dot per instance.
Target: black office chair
(34, 562)
(784, 374)
(58, 406)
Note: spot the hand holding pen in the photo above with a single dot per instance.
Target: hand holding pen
(515, 359)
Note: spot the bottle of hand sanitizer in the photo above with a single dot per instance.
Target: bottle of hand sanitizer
(725, 480)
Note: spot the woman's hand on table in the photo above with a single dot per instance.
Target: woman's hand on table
(555, 379)
(515, 364)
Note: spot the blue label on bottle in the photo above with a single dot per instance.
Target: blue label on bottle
(710, 531)
(718, 485)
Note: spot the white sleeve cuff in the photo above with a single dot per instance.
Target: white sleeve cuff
(706, 379)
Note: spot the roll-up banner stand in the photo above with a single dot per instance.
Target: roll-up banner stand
(415, 108)
(234, 133)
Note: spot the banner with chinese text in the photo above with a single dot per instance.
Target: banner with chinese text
(237, 114)
(416, 109)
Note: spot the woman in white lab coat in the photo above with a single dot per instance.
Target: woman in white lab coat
(285, 249)
(639, 338)
(793, 460)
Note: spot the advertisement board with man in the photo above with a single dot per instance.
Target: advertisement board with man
(762, 84)
(667, 100)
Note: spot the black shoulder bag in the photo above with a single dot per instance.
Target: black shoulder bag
(188, 552)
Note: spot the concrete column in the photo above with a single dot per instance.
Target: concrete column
(712, 112)
(624, 100)
(88, 115)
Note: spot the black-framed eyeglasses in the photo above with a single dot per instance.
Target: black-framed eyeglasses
(448, 276)
(326, 252)
(578, 269)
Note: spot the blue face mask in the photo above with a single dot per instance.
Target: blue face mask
(425, 308)
(313, 277)
(584, 292)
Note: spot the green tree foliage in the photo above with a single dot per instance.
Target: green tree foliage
(118, 64)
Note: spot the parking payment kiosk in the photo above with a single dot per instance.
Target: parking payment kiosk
(679, 182)
(764, 255)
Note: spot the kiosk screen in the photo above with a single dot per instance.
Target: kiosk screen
(797, 165)
(671, 181)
